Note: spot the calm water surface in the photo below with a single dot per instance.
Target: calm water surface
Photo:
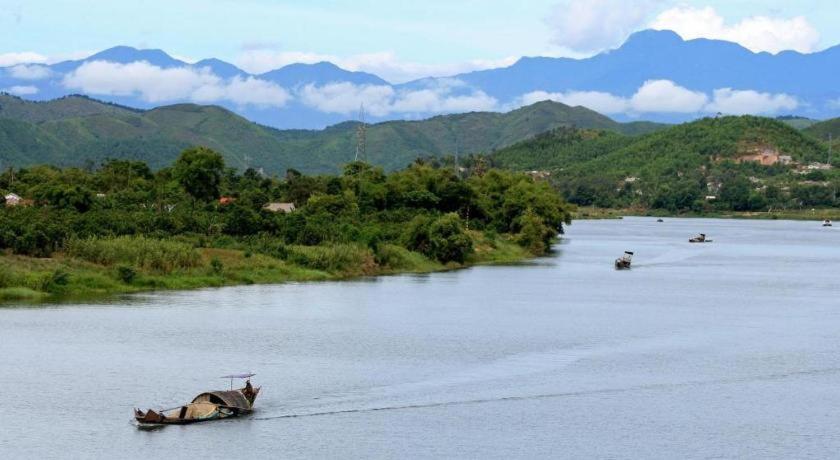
(724, 350)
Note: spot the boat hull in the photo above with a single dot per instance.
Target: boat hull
(206, 407)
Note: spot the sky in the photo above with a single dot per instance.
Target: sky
(396, 40)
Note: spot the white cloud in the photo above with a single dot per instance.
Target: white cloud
(654, 96)
(593, 25)
(381, 100)
(29, 72)
(21, 90)
(26, 57)
(345, 98)
(757, 33)
(740, 102)
(243, 91)
(155, 84)
(666, 96)
(596, 100)
(384, 64)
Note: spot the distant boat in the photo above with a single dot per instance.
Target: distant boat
(701, 238)
(210, 405)
(827, 223)
(660, 220)
(623, 262)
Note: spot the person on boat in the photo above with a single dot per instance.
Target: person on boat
(248, 391)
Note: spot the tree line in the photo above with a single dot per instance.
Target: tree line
(431, 209)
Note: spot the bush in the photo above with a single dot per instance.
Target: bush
(448, 242)
(55, 281)
(126, 274)
(151, 254)
(340, 258)
(216, 265)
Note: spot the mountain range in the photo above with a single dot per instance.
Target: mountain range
(655, 75)
(77, 130)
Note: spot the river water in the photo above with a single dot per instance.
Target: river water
(723, 350)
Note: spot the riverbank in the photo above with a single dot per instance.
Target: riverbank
(784, 214)
(63, 277)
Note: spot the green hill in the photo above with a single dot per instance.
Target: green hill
(694, 158)
(75, 130)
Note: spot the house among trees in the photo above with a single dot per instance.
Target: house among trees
(280, 207)
(226, 200)
(13, 200)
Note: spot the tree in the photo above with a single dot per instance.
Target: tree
(199, 170)
(448, 242)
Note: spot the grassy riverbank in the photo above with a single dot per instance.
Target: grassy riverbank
(784, 214)
(88, 274)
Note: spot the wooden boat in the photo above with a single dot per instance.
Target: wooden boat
(623, 262)
(210, 405)
(660, 220)
(701, 238)
(827, 223)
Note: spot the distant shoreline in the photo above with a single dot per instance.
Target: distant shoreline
(617, 213)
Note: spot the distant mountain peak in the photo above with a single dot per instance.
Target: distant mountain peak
(126, 54)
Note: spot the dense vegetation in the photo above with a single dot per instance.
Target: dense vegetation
(682, 167)
(77, 131)
(122, 226)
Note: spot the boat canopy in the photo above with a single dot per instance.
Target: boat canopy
(237, 376)
(233, 398)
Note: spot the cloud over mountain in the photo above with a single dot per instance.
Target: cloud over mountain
(665, 96)
(757, 33)
(155, 84)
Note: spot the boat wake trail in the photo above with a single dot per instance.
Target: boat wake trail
(595, 392)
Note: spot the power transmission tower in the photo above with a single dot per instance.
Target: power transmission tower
(361, 136)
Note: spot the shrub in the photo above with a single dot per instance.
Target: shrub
(126, 274)
(339, 258)
(151, 254)
(54, 282)
(216, 265)
(448, 242)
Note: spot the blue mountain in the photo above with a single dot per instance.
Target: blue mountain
(699, 65)
(320, 74)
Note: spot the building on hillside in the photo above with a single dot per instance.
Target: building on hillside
(226, 200)
(539, 175)
(280, 207)
(818, 167)
(13, 200)
(765, 158)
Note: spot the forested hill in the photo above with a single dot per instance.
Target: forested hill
(75, 131)
(679, 167)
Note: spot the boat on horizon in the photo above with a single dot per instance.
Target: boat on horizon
(827, 223)
(624, 262)
(207, 406)
(701, 238)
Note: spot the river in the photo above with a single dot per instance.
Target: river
(722, 350)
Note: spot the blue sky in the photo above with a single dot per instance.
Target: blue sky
(395, 39)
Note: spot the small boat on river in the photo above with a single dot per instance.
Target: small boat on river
(827, 223)
(210, 405)
(701, 238)
(623, 262)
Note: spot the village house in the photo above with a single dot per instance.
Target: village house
(539, 175)
(280, 207)
(226, 200)
(12, 200)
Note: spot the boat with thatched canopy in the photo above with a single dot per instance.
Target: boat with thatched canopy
(210, 405)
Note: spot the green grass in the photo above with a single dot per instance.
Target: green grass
(96, 268)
